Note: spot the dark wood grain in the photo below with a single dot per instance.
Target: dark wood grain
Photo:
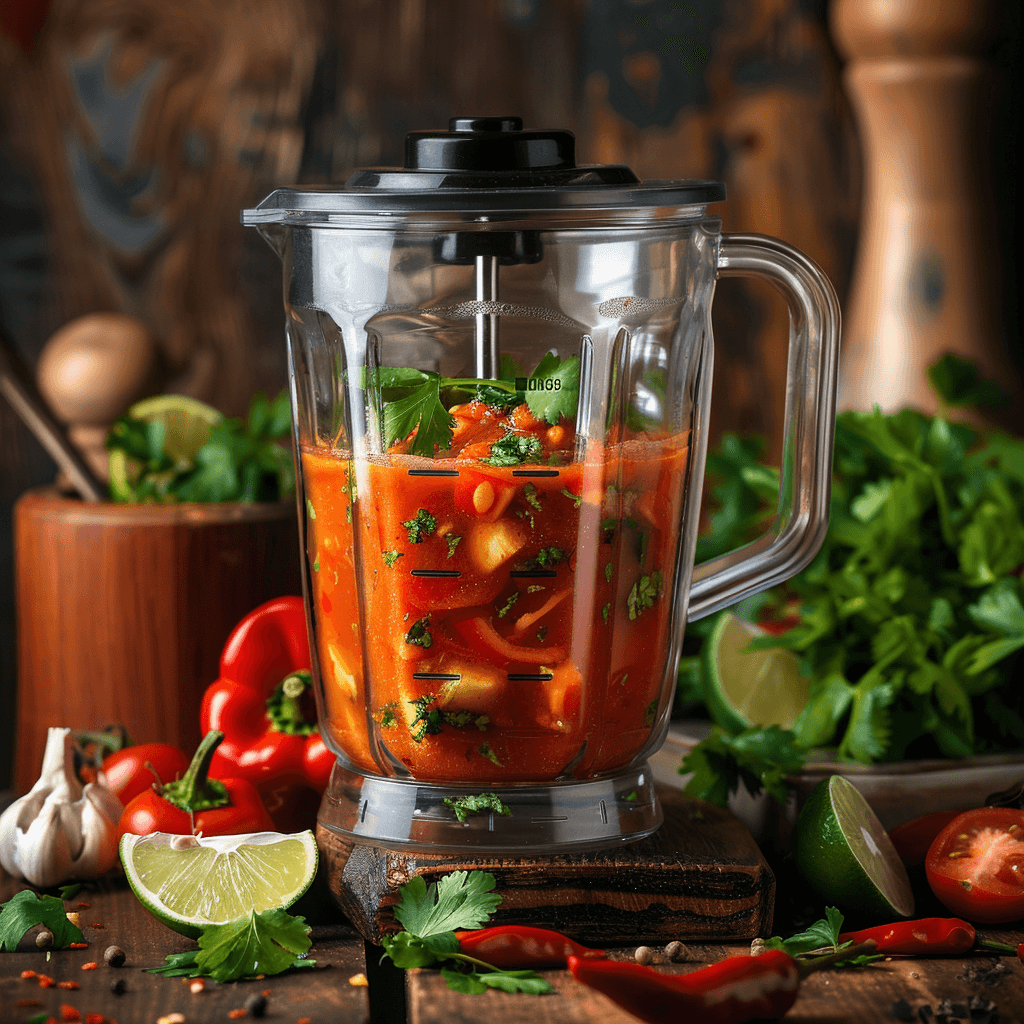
(323, 994)
(700, 876)
(124, 610)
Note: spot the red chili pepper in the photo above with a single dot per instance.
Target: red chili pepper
(928, 936)
(739, 989)
(197, 803)
(512, 947)
(263, 703)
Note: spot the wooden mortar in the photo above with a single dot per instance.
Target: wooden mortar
(123, 610)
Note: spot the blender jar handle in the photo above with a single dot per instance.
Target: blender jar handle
(799, 526)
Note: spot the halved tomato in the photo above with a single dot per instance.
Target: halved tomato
(976, 865)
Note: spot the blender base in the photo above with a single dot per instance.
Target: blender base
(700, 876)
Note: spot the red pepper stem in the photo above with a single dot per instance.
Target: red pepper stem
(195, 791)
(472, 960)
(1002, 947)
(806, 967)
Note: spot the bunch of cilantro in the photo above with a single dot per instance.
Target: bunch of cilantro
(910, 621)
(242, 459)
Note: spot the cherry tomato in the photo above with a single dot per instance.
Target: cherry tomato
(128, 772)
(976, 865)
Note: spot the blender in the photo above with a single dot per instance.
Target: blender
(500, 371)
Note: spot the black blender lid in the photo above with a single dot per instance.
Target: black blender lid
(486, 164)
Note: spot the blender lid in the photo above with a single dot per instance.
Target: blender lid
(485, 164)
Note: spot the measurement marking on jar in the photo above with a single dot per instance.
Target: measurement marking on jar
(523, 677)
(433, 472)
(436, 574)
(362, 813)
(530, 574)
(535, 472)
(552, 817)
(604, 814)
(446, 677)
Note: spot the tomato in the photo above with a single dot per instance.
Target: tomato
(913, 839)
(129, 773)
(976, 865)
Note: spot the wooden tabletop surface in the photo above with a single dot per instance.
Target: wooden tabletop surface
(330, 993)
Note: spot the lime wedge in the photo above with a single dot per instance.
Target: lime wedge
(187, 424)
(188, 882)
(744, 687)
(842, 850)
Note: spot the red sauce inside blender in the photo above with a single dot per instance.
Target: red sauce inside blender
(515, 619)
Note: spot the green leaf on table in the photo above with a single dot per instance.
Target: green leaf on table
(823, 934)
(268, 942)
(474, 982)
(25, 909)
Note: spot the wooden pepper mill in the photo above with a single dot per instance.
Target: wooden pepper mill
(927, 274)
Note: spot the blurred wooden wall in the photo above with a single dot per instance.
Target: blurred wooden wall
(134, 130)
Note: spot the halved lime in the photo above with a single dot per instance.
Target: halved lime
(842, 850)
(744, 687)
(188, 882)
(187, 424)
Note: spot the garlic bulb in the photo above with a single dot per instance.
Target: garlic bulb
(60, 830)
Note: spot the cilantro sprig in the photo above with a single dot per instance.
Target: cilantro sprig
(267, 942)
(430, 916)
(25, 909)
(241, 460)
(821, 939)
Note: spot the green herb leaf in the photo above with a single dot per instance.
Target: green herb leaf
(958, 383)
(513, 450)
(507, 606)
(474, 982)
(559, 392)
(418, 634)
(460, 900)
(453, 543)
(576, 499)
(421, 527)
(476, 803)
(25, 909)
(643, 594)
(390, 557)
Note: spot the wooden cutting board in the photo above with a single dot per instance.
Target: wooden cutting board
(700, 877)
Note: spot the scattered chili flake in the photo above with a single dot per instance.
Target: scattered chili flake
(236, 1013)
(197, 986)
(96, 1018)
(358, 980)
(45, 981)
(69, 1012)
(68, 984)
(91, 966)
(303, 1020)
(265, 993)
(96, 924)
(79, 945)
(84, 906)
(28, 1002)
(28, 974)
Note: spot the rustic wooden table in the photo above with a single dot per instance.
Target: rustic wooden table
(329, 993)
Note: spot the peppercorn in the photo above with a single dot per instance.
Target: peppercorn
(644, 955)
(114, 956)
(117, 986)
(44, 940)
(676, 951)
(256, 1004)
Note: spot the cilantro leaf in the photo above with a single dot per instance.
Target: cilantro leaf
(453, 543)
(513, 450)
(507, 606)
(823, 934)
(558, 392)
(460, 900)
(267, 942)
(498, 398)
(390, 557)
(421, 527)
(422, 411)
(476, 803)
(760, 757)
(957, 382)
(474, 982)
(419, 635)
(643, 594)
(25, 909)
(179, 965)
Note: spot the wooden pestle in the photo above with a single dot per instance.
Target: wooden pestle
(926, 279)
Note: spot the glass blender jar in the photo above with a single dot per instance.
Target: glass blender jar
(501, 377)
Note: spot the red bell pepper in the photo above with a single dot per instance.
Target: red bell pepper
(197, 803)
(263, 703)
